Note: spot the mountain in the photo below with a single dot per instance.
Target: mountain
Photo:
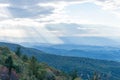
(96, 52)
(84, 66)
(94, 41)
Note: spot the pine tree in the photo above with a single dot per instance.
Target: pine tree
(24, 58)
(33, 66)
(74, 74)
(96, 76)
(9, 65)
(18, 51)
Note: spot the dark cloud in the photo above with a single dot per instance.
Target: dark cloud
(4, 1)
(27, 8)
(102, 0)
(23, 2)
(33, 11)
(32, 2)
(30, 8)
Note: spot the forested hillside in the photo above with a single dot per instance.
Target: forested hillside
(15, 66)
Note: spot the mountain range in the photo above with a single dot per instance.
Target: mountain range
(84, 65)
(94, 41)
(95, 52)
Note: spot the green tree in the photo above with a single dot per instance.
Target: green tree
(96, 76)
(9, 65)
(74, 74)
(33, 66)
(24, 58)
(18, 51)
(78, 78)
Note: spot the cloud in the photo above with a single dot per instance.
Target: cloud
(65, 29)
(59, 14)
(71, 29)
(40, 10)
(26, 8)
(4, 13)
(50, 10)
(112, 6)
(26, 30)
(2, 5)
(30, 12)
(109, 4)
(28, 19)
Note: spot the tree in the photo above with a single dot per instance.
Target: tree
(78, 78)
(18, 51)
(9, 65)
(24, 58)
(33, 66)
(74, 74)
(96, 76)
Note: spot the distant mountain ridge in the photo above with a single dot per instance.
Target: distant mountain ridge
(93, 41)
(96, 52)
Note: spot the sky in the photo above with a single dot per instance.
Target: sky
(45, 21)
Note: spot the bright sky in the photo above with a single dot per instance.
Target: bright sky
(48, 20)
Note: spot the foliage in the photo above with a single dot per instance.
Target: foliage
(74, 74)
(18, 51)
(9, 64)
(24, 57)
(26, 68)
